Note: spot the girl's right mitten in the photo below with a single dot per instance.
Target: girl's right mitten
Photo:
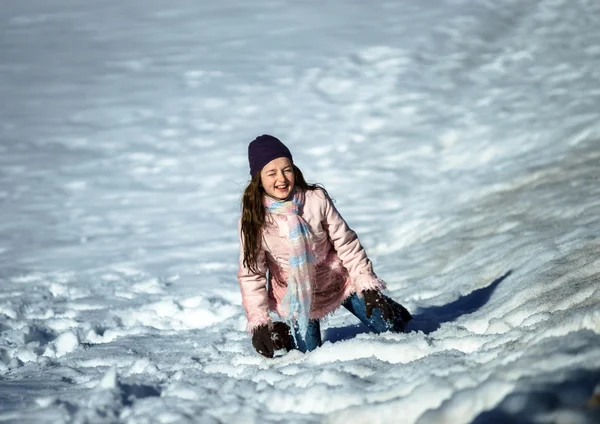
(281, 336)
(262, 342)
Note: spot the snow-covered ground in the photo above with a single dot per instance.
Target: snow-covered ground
(460, 138)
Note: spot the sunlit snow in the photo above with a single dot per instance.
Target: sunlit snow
(460, 139)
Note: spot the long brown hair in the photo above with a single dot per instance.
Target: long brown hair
(254, 216)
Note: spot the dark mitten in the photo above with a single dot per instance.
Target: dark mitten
(374, 299)
(262, 342)
(402, 312)
(281, 336)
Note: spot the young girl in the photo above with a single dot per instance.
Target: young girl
(300, 259)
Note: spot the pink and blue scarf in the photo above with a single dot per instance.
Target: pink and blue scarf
(298, 297)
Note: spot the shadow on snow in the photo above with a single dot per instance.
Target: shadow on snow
(427, 319)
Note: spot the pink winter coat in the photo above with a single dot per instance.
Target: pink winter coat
(341, 263)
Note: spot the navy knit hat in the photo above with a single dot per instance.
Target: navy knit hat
(263, 150)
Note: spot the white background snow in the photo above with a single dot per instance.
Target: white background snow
(460, 138)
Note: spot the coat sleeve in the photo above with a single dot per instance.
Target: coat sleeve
(253, 286)
(350, 251)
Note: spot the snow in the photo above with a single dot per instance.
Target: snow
(460, 139)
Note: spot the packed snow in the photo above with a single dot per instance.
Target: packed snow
(460, 139)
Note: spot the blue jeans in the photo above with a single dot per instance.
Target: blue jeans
(356, 305)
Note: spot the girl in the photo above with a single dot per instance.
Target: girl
(300, 259)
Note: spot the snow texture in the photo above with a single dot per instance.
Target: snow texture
(460, 139)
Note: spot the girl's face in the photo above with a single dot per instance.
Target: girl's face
(277, 178)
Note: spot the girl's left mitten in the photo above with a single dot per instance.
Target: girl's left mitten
(262, 342)
(374, 299)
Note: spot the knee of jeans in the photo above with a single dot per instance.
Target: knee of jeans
(380, 325)
(310, 341)
(307, 345)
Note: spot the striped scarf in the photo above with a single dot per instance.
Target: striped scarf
(297, 300)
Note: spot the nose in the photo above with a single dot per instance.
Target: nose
(282, 177)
